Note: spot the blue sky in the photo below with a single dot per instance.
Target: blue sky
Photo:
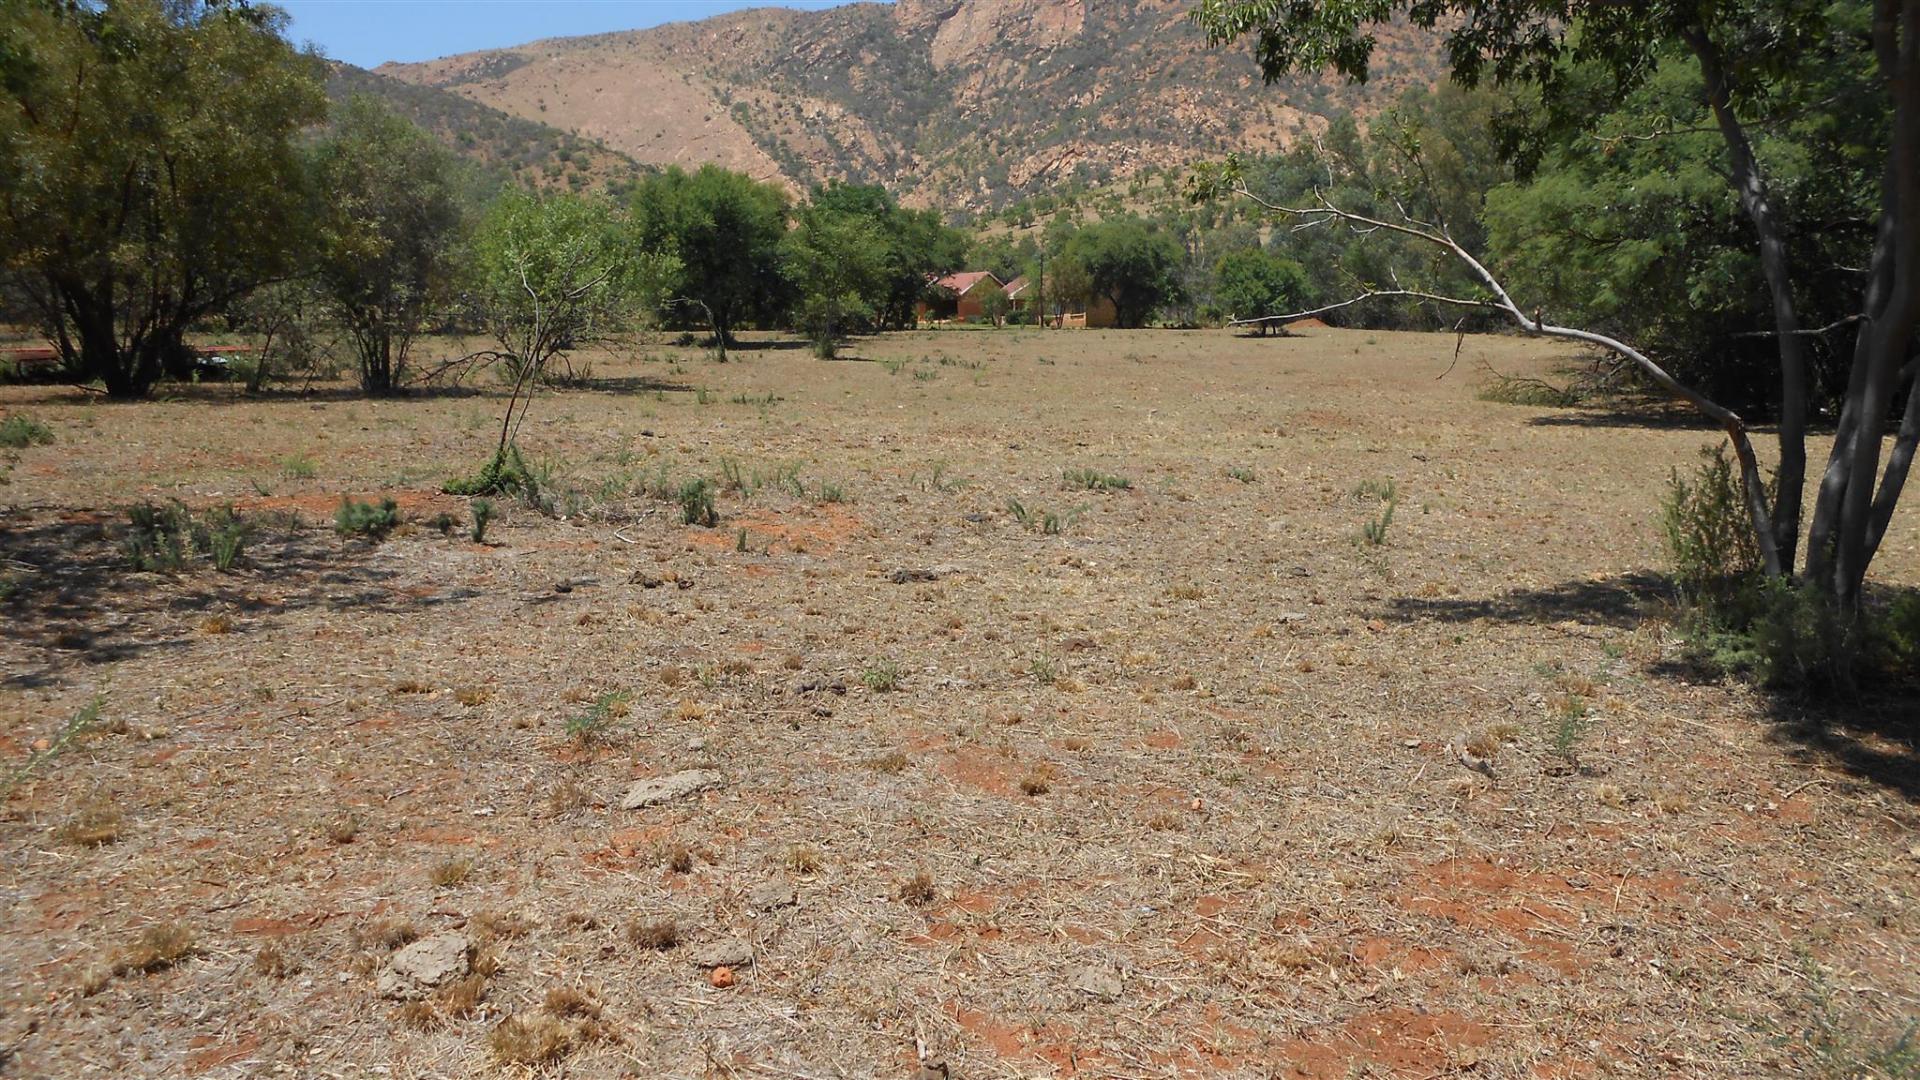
(371, 32)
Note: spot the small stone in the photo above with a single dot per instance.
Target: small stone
(1411, 744)
(1099, 980)
(425, 964)
(773, 895)
(696, 744)
(721, 977)
(727, 952)
(668, 788)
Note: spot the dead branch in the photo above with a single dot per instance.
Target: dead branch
(1729, 421)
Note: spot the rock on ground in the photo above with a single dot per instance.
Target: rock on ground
(727, 952)
(425, 964)
(668, 788)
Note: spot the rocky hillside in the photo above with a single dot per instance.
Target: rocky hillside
(949, 102)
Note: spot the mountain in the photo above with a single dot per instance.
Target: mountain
(505, 146)
(953, 103)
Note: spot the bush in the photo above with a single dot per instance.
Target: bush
(696, 503)
(1709, 538)
(166, 539)
(482, 514)
(356, 518)
(19, 431)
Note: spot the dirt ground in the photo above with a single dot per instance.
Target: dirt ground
(1163, 780)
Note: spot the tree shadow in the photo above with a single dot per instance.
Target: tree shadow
(627, 384)
(1621, 601)
(767, 344)
(1646, 417)
(1874, 736)
(71, 600)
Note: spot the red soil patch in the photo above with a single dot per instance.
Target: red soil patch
(1402, 1041)
(821, 528)
(216, 1054)
(981, 771)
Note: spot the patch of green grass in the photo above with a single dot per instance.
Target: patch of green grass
(482, 514)
(696, 503)
(371, 520)
(1242, 474)
(593, 724)
(298, 467)
(881, 676)
(1094, 480)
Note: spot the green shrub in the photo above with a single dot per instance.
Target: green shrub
(482, 514)
(506, 474)
(1094, 480)
(696, 503)
(1709, 537)
(166, 539)
(373, 521)
(19, 431)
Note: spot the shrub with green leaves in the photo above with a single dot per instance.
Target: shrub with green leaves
(169, 538)
(371, 520)
(1709, 537)
(696, 503)
(1094, 480)
(19, 431)
(482, 514)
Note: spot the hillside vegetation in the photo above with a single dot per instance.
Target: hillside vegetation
(512, 148)
(965, 105)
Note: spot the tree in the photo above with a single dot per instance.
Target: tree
(726, 229)
(148, 174)
(838, 263)
(915, 246)
(1251, 283)
(1130, 263)
(993, 302)
(1783, 49)
(1068, 286)
(555, 273)
(389, 223)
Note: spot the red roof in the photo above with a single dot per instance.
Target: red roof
(964, 281)
(1017, 286)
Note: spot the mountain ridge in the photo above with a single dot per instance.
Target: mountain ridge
(954, 103)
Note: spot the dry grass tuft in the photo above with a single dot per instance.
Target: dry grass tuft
(216, 625)
(658, 935)
(343, 829)
(918, 890)
(472, 697)
(804, 859)
(490, 925)
(674, 855)
(672, 677)
(1038, 781)
(531, 1040)
(1184, 682)
(689, 710)
(892, 763)
(566, 1002)
(388, 934)
(159, 947)
(273, 962)
(450, 872)
(568, 796)
(462, 997)
(94, 826)
(421, 1016)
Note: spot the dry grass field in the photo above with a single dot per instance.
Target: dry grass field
(1158, 775)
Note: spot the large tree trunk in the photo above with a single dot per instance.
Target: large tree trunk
(1851, 516)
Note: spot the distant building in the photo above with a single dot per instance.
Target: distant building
(1070, 313)
(957, 297)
